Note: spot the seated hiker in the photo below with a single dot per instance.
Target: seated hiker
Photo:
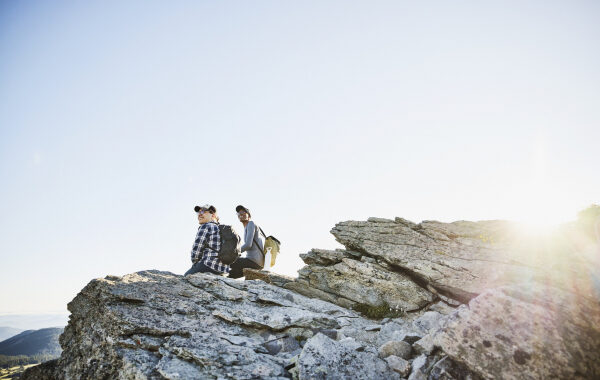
(205, 252)
(253, 245)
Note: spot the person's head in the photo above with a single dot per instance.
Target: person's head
(243, 213)
(206, 213)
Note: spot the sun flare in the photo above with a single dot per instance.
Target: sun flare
(541, 217)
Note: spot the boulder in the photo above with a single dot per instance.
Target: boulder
(155, 324)
(398, 365)
(418, 368)
(462, 259)
(430, 320)
(395, 347)
(324, 358)
(350, 282)
(45, 371)
(533, 331)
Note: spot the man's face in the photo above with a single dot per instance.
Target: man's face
(243, 216)
(204, 216)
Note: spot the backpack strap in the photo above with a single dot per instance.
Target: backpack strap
(262, 232)
(258, 245)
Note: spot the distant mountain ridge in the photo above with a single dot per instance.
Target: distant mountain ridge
(31, 321)
(33, 342)
(7, 332)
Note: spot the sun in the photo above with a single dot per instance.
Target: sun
(542, 217)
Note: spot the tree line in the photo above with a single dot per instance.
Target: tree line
(7, 361)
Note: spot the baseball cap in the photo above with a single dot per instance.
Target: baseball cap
(240, 208)
(208, 207)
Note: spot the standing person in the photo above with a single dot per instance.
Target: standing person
(205, 252)
(253, 245)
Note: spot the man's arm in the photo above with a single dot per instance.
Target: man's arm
(248, 236)
(199, 243)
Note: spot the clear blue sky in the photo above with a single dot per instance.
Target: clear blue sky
(116, 118)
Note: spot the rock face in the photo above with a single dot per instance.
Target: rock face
(159, 325)
(520, 331)
(462, 300)
(325, 358)
(352, 282)
(462, 259)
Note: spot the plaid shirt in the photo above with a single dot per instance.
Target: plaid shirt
(206, 247)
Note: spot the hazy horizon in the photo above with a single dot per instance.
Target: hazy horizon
(117, 118)
(34, 321)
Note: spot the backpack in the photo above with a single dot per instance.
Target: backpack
(230, 244)
(271, 246)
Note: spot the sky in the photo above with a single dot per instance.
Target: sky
(116, 118)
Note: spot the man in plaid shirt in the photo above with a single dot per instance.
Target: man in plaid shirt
(205, 252)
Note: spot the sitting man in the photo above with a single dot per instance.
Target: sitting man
(253, 245)
(205, 252)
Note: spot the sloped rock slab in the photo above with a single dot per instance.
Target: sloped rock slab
(156, 325)
(462, 259)
(266, 276)
(527, 331)
(355, 282)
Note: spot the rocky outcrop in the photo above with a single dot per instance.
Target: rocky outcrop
(462, 300)
(44, 371)
(462, 259)
(531, 302)
(159, 325)
(524, 331)
(353, 280)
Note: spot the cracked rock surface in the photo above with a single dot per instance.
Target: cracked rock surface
(462, 259)
(355, 282)
(525, 332)
(155, 325)
(462, 300)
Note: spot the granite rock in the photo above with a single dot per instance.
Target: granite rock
(462, 259)
(399, 365)
(474, 299)
(324, 358)
(527, 331)
(397, 348)
(349, 282)
(151, 325)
